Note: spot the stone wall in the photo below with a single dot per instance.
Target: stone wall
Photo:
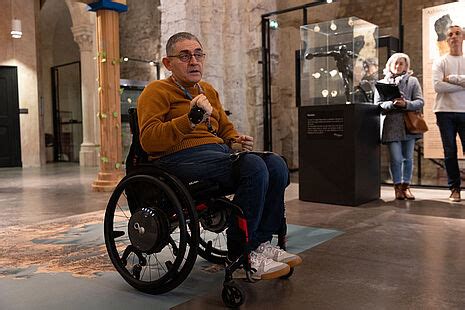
(140, 39)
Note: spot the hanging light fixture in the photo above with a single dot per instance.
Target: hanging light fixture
(16, 32)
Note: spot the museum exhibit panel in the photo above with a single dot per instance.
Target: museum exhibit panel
(339, 150)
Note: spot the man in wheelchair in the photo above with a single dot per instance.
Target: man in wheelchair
(185, 130)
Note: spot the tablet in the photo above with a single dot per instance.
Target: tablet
(388, 92)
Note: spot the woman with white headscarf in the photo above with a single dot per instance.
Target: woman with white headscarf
(400, 142)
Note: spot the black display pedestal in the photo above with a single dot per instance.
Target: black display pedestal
(339, 154)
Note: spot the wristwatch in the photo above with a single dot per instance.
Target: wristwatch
(196, 115)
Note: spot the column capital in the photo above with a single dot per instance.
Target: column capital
(84, 36)
(114, 5)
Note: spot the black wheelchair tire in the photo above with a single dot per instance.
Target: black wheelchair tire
(189, 233)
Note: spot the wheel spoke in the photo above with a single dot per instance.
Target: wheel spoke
(162, 256)
(118, 233)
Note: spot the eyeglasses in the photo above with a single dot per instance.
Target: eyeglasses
(186, 57)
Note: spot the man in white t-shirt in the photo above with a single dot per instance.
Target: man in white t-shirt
(449, 84)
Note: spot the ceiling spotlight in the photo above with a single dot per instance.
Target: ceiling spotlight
(329, 1)
(333, 93)
(316, 75)
(125, 58)
(152, 63)
(325, 93)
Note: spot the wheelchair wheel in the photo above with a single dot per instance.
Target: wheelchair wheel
(212, 246)
(212, 243)
(151, 232)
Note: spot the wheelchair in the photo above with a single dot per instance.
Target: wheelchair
(155, 226)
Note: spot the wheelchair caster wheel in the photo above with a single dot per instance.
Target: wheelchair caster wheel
(287, 276)
(233, 295)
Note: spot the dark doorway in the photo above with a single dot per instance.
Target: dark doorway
(10, 144)
(67, 111)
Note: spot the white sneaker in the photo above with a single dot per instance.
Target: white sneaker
(263, 268)
(275, 253)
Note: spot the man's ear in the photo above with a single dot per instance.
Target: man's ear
(167, 63)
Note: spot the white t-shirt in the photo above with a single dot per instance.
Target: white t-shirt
(450, 97)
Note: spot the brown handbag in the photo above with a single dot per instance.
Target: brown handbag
(414, 122)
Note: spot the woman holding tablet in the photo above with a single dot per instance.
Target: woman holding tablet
(400, 142)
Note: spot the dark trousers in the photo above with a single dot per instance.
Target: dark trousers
(450, 124)
(258, 185)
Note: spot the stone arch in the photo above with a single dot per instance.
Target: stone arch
(67, 32)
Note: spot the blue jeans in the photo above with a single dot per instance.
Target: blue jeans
(259, 186)
(401, 160)
(450, 124)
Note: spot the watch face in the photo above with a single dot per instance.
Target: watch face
(196, 115)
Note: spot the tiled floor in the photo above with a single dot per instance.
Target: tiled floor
(391, 254)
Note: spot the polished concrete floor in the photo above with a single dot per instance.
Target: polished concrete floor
(386, 254)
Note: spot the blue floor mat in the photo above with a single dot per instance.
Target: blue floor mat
(109, 291)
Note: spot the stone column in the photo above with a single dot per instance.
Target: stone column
(84, 36)
(109, 98)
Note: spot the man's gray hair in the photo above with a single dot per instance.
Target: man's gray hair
(175, 38)
(454, 26)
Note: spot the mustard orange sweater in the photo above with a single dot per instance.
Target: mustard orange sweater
(162, 110)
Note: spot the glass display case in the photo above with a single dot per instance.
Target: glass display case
(339, 62)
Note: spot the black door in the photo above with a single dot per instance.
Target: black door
(10, 145)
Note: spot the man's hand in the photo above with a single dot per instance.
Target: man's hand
(246, 142)
(202, 102)
(457, 79)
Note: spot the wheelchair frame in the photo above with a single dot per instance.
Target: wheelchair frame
(152, 227)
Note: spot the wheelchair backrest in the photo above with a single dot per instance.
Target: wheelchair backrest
(136, 154)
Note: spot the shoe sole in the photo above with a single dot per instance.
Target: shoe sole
(294, 262)
(276, 274)
(240, 274)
